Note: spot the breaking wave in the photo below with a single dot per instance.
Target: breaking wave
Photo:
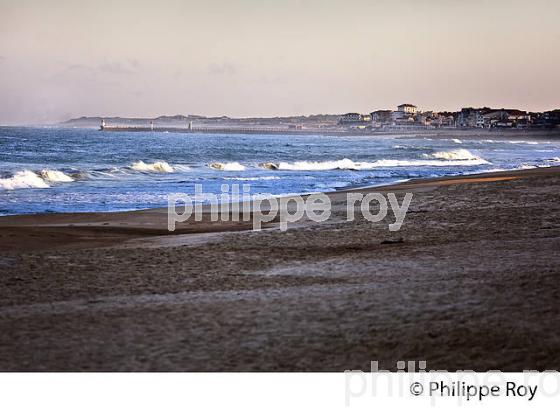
(311, 166)
(267, 178)
(30, 179)
(456, 154)
(55, 176)
(158, 166)
(441, 160)
(23, 179)
(227, 166)
(431, 163)
(524, 142)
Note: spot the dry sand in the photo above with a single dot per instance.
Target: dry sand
(471, 281)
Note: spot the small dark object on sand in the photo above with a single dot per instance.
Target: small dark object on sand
(392, 241)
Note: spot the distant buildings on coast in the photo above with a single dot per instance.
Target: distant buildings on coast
(408, 116)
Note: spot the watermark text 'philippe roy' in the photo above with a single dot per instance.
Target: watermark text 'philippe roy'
(236, 203)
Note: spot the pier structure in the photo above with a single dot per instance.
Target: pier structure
(190, 129)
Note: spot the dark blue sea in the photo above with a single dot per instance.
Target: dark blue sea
(80, 170)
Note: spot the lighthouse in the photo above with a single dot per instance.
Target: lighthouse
(102, 124)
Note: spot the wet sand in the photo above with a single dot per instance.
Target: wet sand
(469, 282)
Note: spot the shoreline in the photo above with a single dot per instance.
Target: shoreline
(79, 229)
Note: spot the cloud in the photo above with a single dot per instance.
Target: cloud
(78, 67)
(134, 63)
(115, 67)
(111, 67)
(221, 69)
(103, 74)
(130, 66)
(178, 73)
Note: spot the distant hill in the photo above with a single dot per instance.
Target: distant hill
(89, 122)
(180, 120)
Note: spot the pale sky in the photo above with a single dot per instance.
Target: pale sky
(62, 59)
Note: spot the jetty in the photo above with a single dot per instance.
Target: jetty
(441, 132)
(290, 130)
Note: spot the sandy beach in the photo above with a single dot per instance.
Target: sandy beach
(469, 282)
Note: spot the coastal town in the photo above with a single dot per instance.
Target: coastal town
(409, 116)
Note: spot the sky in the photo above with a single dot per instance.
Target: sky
(63, 59)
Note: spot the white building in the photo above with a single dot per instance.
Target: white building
(407, 108)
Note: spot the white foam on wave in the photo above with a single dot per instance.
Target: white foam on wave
(55, 176)
(456, 141)
(29, 179)
(227, 166)
(158, 166)
(440, 160)
(311, 166)
(267, 178)
(555, 159)
(524, 142)
(456, 154)
(23, 179)
(432, 163)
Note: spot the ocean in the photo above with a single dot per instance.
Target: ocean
(85, 170)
